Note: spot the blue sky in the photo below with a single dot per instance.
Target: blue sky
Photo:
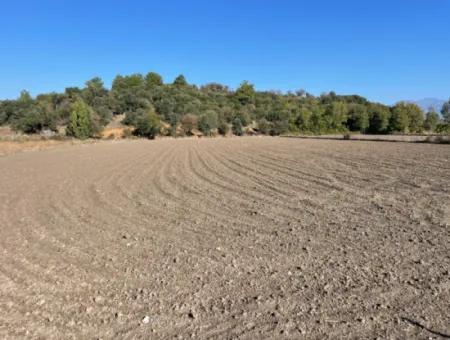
(384, 50)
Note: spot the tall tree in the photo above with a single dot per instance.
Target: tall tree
(153, 79)
(81, 124)
(148, 125)
(245, 93)
(358, 118)
(379, 118)
(180, 81)
(431, 120)
(400, 118)
(445, 111)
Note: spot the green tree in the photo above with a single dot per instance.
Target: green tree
(358, 118)
(207, 122)
(445, 111)
(223, 128)
(153, 79)
(336, 115)
(399, 118)
(379, 118)
(245, 94)
(173, 120)
(416, 118)
(81, 124)
(180, 81)
(93, 90)
(96, 96)
(237, 127)
(128, 94)
(148, 125)
(431, 120)
(303, 119)
(264, 126)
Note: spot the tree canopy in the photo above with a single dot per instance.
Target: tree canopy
(210, 108)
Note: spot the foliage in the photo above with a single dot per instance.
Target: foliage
(180, 81)
(406, 117)
(148, 125)
(153, 79)
(207, 122)
(358, 118)
(81, 124)
(379, 118)
(223, 128)
(237, 127)
(431, 120)
(445, 111)
(213, 106)
(189, 123)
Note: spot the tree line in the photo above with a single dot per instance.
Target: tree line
(153, 107)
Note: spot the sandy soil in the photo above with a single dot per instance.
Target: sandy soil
(237, 238)
(387, 138)
(10, 147)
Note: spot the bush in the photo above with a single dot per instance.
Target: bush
(189, 123)
(148, 126)
(223, 128)
(237, 127)
(264, 126)
(443, 128)
(127, 133)
(207, 122)
(82, 123)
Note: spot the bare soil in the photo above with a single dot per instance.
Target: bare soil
(226, 238)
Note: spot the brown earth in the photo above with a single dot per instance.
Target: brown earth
(8, 147)
(227, 238)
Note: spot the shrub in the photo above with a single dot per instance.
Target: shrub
(207, 122)
(223, 128)
(127, 133)
(81, 123)
(148, 126)
(264, 126)
(189, 123)
(237, 127)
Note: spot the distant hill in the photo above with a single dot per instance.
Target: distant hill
(426, 103)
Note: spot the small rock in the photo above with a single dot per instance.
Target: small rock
(146, 320)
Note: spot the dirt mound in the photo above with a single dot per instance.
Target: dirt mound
(223, 238)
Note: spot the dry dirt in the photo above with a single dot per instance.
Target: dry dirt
(9, 147)
(236, 238)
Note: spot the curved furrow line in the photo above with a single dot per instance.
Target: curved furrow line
(320, 181)
(223, 209)
(54, 247)
(279, 160)
(112, 193)
(240, 196)
(291, 209)
(33, 264)
(287, 209)
(257, 176)
(166, 182)
(297, 168)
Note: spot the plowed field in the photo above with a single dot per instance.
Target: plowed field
(227, 238)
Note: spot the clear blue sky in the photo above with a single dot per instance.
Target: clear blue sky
(384, 50)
